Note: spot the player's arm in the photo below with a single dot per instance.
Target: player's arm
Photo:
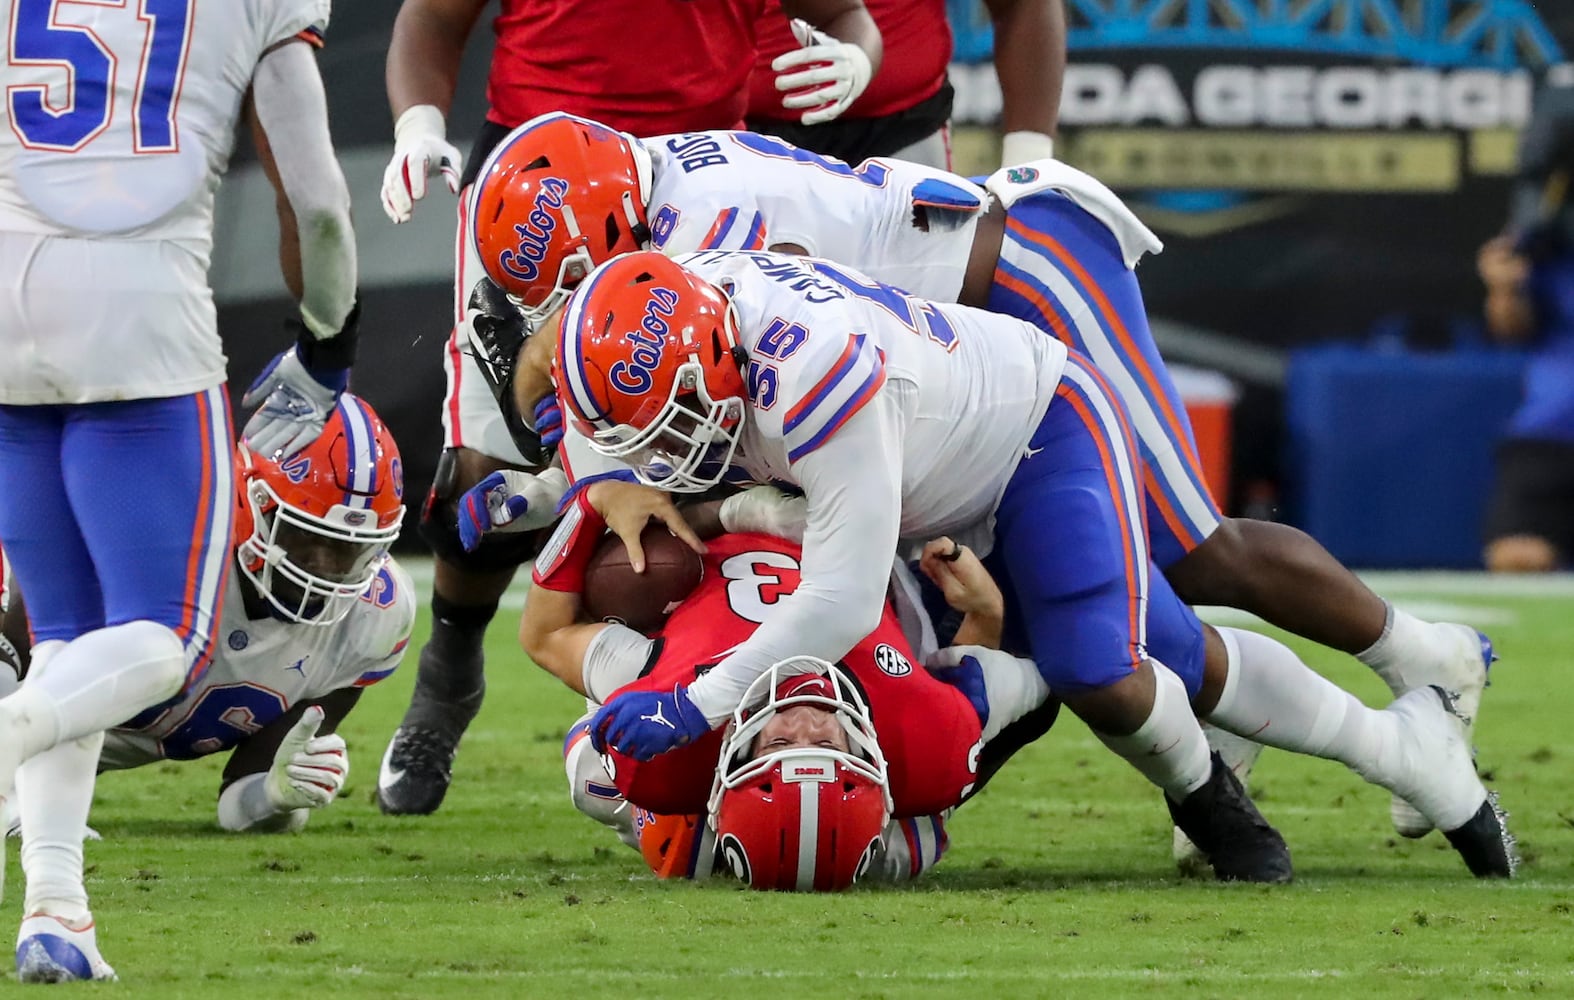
(289, 116)
(290, 129)
(296, 763)
(593, 658)
(422, 72)
(1030, 60)
(852, 482)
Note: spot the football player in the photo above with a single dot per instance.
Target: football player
(316, 612)
(1042, 242)
(937, 740)
(122, 117)
(900, 418)
(549, 56)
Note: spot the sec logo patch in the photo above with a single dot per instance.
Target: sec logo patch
(890, 661)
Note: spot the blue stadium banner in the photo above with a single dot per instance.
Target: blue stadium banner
(1314, 165)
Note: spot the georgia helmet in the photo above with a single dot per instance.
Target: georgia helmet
(649, 368)
(556, 197)
(798, 817)
(314, 528)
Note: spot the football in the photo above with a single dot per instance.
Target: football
(641, 601)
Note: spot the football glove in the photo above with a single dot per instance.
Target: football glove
(308, 770)
(509, 501)
(842, 67)
(642, 724)
(421, 150)
(297, 392)
(549, 421)
(767, 510)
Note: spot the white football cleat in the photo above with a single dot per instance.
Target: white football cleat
(1238, 754)
(1464, 675)
(1438, 776)
(49, 950)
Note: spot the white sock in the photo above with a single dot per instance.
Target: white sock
(1275, 699)
(1406, 642)
(55, 789)
(1169, 749)
(94, 683)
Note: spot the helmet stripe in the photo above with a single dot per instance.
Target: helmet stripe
(358, 441)
(572, 354)
(808, 832)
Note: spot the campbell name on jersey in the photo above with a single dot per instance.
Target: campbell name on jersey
(122, 116)
(824, 341)
(907, 225)
(264, 667)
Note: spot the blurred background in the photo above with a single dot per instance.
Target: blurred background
(1323, 172)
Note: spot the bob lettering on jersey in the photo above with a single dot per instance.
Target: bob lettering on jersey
(635, 376)
(535, 233)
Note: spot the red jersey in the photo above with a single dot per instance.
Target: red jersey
(917, 51)
(928, 731)
(649, 67)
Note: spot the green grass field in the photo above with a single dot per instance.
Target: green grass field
(1059, 881)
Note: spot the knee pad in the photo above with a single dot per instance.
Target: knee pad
(439, 527)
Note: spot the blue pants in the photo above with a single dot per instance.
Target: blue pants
(119, 512)
(1061, 270)
(1071, 551)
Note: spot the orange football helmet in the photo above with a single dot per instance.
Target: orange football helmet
(766, 804)
(649, 369)
(559, 195)
(314, 527)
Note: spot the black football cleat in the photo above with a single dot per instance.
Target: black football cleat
(1486, 844)
(418, 765)
(1224, 824)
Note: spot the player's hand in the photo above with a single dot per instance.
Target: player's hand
(292, 406)
(642, 724)
(421, 150)
(962, 578)
(509, 501)
(836, 73)
(959, 668)
(549, 420)
(767, 510)
(628, 507)
(308, 770)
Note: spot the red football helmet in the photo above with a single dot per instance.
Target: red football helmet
(649, 369)
(314, 527)
(559, 195)
(803, 817)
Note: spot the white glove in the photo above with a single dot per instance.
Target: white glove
(308, 770)
(767, 510)
(845, 73)
(421, 150)
(294, 407)
(1023, 147)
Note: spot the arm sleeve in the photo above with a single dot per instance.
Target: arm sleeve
(615, 657)
(853, 482)
(244, 808)
(292, 109)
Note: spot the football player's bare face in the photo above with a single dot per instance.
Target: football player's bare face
(801, 726)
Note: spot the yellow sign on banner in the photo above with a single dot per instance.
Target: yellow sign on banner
(1128, 159)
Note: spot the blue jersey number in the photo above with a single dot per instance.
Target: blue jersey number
(917, 315)
(221, 718)
(73, 119)
(870, 172)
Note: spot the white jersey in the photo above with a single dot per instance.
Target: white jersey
(121, 121)
(904, 224)
(899, 418)
(263, 667)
